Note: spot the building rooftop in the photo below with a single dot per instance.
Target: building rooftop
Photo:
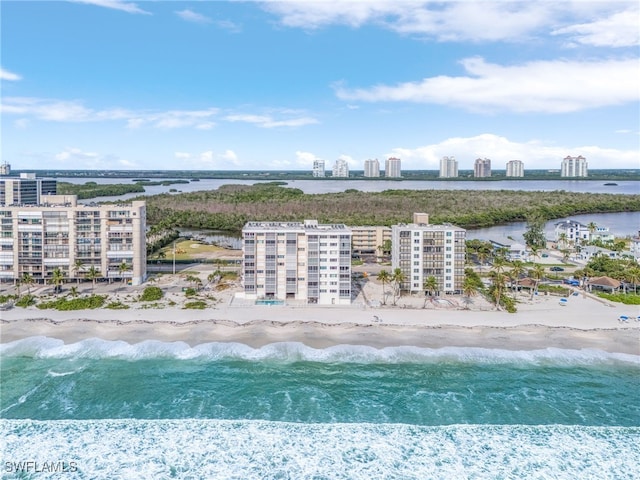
(306, 226)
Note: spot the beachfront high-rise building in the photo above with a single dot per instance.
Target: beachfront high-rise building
(482, 168)
(448, 167)
(372, 168)
(369, 242)
(60, 233)
(318, 168)
(515, 168)
(392, 168)
(574, 167)
(5, 169)
(341, 168)
(302, 261)
(421, 250)
(26, 190)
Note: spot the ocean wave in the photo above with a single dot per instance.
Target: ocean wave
(258, 449)
(95, 348)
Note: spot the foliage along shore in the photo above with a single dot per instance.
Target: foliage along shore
(231, 206)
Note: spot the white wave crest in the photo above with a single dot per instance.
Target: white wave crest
(150, 449)
(44, 347)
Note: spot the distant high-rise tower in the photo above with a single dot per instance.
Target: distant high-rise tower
(372, 168)
(5, 168)
(448, 167)
(341, 168)
(392, 168)
(515, 168)
(318, 168)
(574, 167)
(482, 168)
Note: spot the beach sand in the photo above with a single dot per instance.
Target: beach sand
(584, 322)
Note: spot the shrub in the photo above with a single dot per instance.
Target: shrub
(190, 292)
(151, 294)
(63, 304)
(26, 301)
(628, 299)
(196, 305)
(116, 306)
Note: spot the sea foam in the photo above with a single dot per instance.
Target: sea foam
(158, 449)
(288, 352)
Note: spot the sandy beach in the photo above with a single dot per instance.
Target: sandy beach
(583, 322)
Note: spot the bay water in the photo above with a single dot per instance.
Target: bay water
(106, 409)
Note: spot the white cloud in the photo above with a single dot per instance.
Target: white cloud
(230, 155)
(10, 76)
(305, 158)
(512, 21)
(543, 86)
(182, 155)
(191, 16)
(206, 156)
(351, 161)
(21, 123)
(266, 121)
(124, 6)
(535, 154)
(620, 29)
(229, 26)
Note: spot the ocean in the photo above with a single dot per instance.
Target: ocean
(105, 409)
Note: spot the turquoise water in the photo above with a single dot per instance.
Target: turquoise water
(223, 410)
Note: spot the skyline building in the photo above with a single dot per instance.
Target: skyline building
(448, 167)
(25, 190)
(301, 261)
(341, 168)
(421, 250)
(5, 169)
(515, 168)
(318, 168)
(392, 168)
(372, 168)
(574, 167)
(482, 168)
(60, 233)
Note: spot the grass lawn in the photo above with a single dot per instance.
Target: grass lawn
(187, 250)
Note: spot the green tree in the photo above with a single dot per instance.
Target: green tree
(384, 277)
(469, 289)
(537, 274)
(430, 286)
(77, 269)
(123, 268)
(398, 278)
(57, 277)
(27, 280)
(92, 275)
(534, 235)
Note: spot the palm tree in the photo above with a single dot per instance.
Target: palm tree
(430, 285)
(398, 278)
(77, 268)
(537, 273)
(93, 274)
(497, 278)
(73, 291)
(632, 275)
(122, 269)
(384, 277)
(517, 269)
(27, 280)
(469, 289)
(57, 277)
(562, 239)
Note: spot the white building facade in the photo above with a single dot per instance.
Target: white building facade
(372, 168)
(574, 167)
(318, 168)
(482, 168)
(341, 168)
(448, 167)
(515, 168)
(573, 231)
(38, 239)
(302, 261)
(392, 168)
(422, 250)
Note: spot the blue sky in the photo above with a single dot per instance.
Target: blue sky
(111, 84)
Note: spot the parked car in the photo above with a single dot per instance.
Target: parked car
(571, 281)
(557, 269)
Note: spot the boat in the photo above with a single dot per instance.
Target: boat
(610, 184)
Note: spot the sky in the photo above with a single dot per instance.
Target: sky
(263, 85)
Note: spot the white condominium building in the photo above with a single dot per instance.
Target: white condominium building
(448, 167)
(515, 168)
(392, 168)
(422, 250)
(5, 168)
(372, 168)
(341, 168)
(574, 167)
(318, 168)
(302, 261)
(60, 233)
(482, 168)
(26, 190)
